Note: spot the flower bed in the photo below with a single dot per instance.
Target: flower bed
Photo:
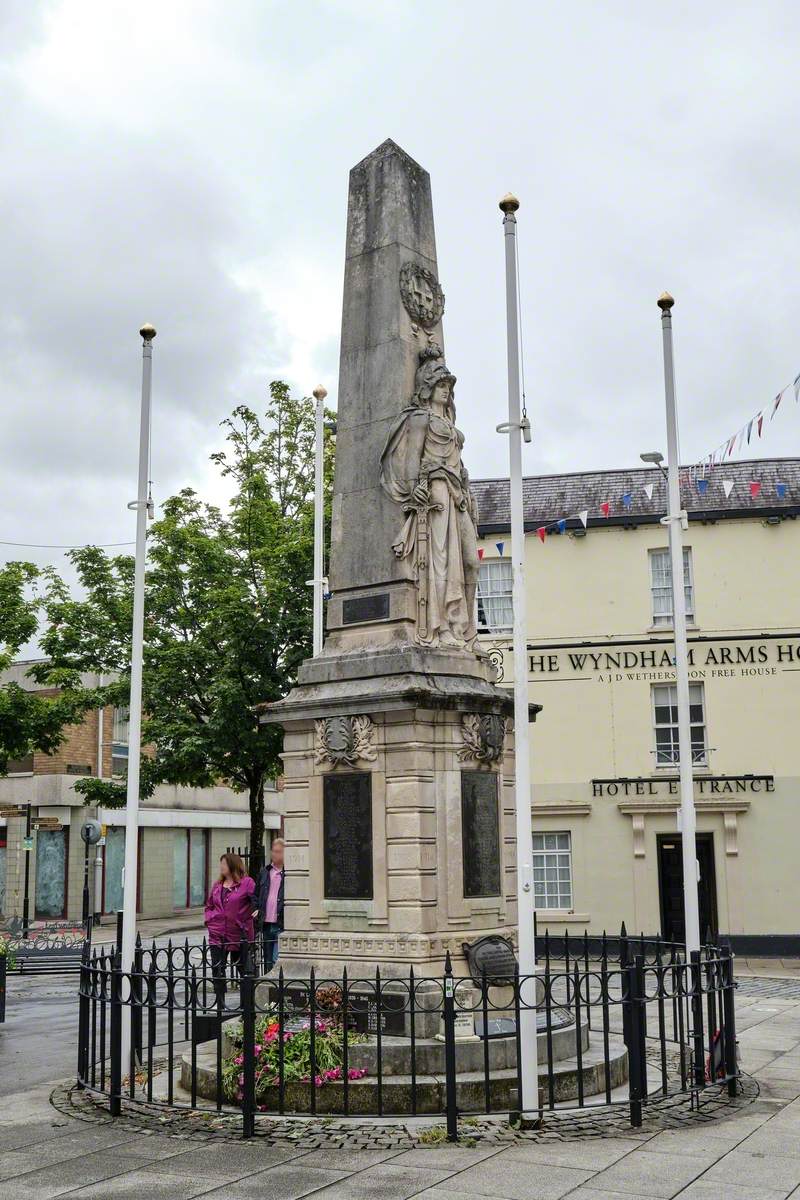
(297, 1069)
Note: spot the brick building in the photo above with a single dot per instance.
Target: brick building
(182, 830)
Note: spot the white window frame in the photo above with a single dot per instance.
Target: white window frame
(119, 747)
(490, 597)
(661, 588)
(669, 758)
(552, 852)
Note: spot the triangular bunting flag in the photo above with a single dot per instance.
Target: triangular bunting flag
(605, 508)
(796, 388)
(500, 548)
(648, 490)
(775, 404)
(627, 499)
(584, 518)
(562, 525)
(760, 423)
(541, 533)
(780, 488)
(755, 488)
(702, 486)
(727, 487)
(749, 430)
(480, 553)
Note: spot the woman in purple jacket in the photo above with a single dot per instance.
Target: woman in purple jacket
(229, 918)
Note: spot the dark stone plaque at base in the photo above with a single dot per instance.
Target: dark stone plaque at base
(365, 608)
(347, 836)
(480, 834)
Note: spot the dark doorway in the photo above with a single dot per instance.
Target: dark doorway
(670, 885)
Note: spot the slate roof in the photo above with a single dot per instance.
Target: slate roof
(547, 498)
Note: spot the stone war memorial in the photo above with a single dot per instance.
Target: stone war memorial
(398, 759)
(397, 991)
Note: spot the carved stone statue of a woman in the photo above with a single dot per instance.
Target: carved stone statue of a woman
(421, 469)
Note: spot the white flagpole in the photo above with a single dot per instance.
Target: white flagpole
(140, 504)
(675, 522)
(518, 427)
(318, 581)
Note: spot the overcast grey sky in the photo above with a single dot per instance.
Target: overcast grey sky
(186, 163)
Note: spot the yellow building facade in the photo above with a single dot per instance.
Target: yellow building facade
(604, 748)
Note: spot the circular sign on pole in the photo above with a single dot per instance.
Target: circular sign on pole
(91, 832)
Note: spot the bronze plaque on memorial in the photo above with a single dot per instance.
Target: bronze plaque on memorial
(480, 834)
(365, 608)
(347, 836)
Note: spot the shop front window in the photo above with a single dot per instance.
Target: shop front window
(190, 867)
(51, 873)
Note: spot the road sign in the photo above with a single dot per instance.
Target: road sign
(12, 812)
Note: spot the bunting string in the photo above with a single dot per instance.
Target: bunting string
(702, 484)
(754, 427)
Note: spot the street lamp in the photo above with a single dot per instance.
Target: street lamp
(676, 521)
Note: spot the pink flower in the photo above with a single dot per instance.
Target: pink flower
(257, 1048)
(356, 1073)
(237, 1062)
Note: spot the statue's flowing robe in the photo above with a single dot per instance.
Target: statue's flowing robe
(422, 446)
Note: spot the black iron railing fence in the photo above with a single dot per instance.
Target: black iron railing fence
(619, 1021)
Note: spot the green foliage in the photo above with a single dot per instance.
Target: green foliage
(29, 720)
(297, 1064)
(8, 954)
(227, 610)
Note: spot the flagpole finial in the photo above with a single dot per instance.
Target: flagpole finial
(319, 392)
(147, 333)
(665, 302)
(509, 203)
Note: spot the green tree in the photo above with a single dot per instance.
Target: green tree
(227, 611)
(30, 720)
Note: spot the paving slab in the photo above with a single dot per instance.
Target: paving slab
(50, 1181)
(284, 1182)
(453, 1158)
(167, 1187)
(773, 1171)
(385, 1182)
(341, 1159)
(701, 1189)
(589, 1154)
(506, 1179)
(650, 1174)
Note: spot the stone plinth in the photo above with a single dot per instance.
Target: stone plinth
(413, 752)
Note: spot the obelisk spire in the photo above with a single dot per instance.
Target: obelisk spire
(392, 310)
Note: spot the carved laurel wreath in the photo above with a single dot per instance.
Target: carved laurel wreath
(345, 740)
(483, 738)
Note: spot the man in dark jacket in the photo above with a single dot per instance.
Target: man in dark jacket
(269, 903)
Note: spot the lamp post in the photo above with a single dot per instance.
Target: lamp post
(518, 427)
(141, 506)
(676, 521)
(27, 850)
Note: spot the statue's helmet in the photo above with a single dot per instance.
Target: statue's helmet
(432, 369)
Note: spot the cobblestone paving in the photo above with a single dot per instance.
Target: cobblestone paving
(358, 1133)
(783, 989)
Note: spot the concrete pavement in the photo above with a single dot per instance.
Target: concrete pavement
(751, 1154)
